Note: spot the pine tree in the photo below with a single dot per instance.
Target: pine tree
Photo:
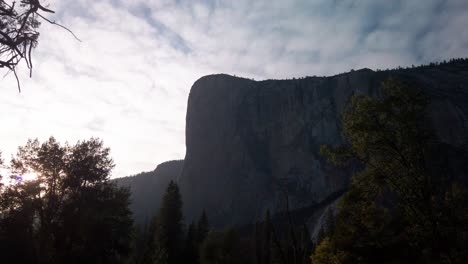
(191, 245)
(223, 247)
(151, 251)
(203, 227)
(170, 235)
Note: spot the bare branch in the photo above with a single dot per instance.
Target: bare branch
(17, 79)
(57, 24)
(19, 33)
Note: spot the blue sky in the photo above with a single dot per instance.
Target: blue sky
(128, 81)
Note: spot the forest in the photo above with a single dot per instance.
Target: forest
(405, 204)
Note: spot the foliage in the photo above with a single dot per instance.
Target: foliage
(148, 188)
(203, 227)
(406, 204)
(291, 243)
(152, 251)
(164, 239)
(196, 234)
(222, 247)
(71, 213)
(171, 232)
(191, 245)
(325, 253)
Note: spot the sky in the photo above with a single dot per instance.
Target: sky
(127, 81)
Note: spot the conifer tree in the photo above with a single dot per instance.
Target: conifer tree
(191, 245)
(152, 252)
(170, 235)
(203, 227)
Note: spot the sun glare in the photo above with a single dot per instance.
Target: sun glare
(7, 179)
(29, 176)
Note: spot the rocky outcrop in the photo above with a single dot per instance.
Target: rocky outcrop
(147, 189)
(252, 145)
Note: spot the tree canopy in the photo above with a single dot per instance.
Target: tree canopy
(71, 213)
(406, 205)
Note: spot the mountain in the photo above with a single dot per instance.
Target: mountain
(254, 145)
(147, 189)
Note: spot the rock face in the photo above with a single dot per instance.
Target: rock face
(253, 144)
(147, 189)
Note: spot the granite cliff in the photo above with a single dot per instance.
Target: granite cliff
(254, 145)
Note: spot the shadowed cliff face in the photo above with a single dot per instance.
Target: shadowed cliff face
(251, 144)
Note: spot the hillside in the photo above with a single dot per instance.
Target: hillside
(147, 189)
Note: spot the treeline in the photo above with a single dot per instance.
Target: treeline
(460, 63)
(167, 240)
(452, 62)
(69, 211)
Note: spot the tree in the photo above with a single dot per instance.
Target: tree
(19, 35)
(223, 247)
(203, 227)
(263, 241)
(196, 234)
(154, 252)
(71, 213)
(401, 206)
(324, 253)
(191, 245)
(290, 239)
(171, 232)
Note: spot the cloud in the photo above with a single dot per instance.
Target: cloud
(128, 81)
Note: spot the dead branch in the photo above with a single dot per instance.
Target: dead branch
(19, 33)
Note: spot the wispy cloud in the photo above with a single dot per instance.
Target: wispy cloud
(129, 79)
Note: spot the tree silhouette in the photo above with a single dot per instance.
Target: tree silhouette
(191, 245)
(203, 227)
(170, 217)
(19, 35)
(71, 213)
